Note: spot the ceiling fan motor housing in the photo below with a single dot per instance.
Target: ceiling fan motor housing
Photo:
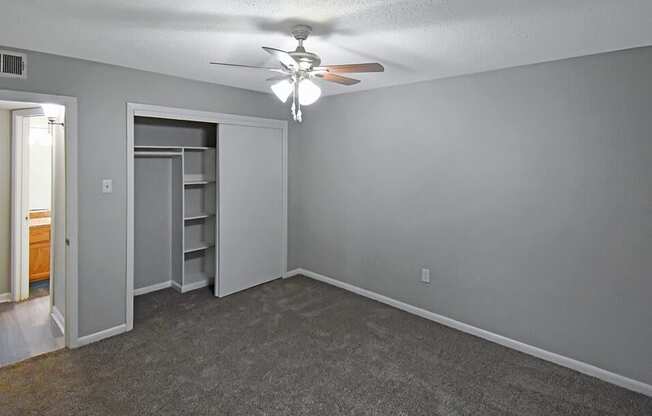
(305, 59)
(301, 32)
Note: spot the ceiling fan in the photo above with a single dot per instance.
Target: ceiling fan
(299, 67)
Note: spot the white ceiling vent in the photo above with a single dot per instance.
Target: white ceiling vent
(13, 64)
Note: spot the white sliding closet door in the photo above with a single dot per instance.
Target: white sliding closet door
(250, 206)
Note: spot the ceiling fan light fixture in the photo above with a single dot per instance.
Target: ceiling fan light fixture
(282, 89)
(309, 92)
(299, 67)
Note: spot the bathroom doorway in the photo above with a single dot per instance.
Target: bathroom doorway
(33, 191)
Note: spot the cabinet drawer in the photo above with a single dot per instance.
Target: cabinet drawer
(39, 235)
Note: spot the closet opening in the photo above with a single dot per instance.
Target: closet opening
(174, 204)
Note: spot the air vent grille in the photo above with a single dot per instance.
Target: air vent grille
(13, 64)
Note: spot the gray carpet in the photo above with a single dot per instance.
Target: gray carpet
(298, 347)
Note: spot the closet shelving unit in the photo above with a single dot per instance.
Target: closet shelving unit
(191, 149)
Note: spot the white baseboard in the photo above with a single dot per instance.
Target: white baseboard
(152, 288)
(190, 286)
(5, 297)
(58, 318)
(561, 360)
(98, 336)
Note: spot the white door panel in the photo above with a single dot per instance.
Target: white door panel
(250, 206)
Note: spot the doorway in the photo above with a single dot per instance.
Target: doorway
(36, 140)
(37, 220)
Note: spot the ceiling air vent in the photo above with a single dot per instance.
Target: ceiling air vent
(13, 64)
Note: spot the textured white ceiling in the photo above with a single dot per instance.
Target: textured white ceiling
(415, 40)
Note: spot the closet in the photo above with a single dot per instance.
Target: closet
(207, 200)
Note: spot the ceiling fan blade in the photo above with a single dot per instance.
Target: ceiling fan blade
(282, 56)
(268, 68)
(353, 68)
(327, 76)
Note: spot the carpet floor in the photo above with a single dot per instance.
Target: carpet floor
(298, 347)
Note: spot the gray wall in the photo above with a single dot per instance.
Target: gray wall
(527, 191)
(103, 91)
(153, 221)
(5, 201)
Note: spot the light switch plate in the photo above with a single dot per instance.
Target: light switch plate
(425, 275)
(107, 186)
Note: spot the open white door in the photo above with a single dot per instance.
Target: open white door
(251, 209)
(20, 202)
(58, 227)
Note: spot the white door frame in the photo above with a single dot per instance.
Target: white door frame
(71, 333)
(147, 110)
(20, 201)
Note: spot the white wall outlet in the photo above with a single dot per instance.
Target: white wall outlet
(425, 276)
(107, 186)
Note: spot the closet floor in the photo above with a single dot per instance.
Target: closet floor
(298, 347)
(26, 330)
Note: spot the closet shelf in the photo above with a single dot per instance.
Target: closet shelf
(172, 147)
(136, 146)
(198, 247)
(198, 216)
(156, 154)
(203, 182)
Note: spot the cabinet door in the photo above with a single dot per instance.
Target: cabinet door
(250, 207)
(39, 261)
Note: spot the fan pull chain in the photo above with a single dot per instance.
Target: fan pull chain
(296, 106)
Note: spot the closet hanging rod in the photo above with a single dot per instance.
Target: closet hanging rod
(157, 154)
(198, 217)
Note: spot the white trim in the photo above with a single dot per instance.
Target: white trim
(561, 360)
(216, 239)
(5, 297)
(147, 110)
(71, 139)
(175, 113)
(284, 209)
(98, 336)
(53, 216)
(58, 318)
(152, 288)
(57, 232)
(129, 301)
(190, 286)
